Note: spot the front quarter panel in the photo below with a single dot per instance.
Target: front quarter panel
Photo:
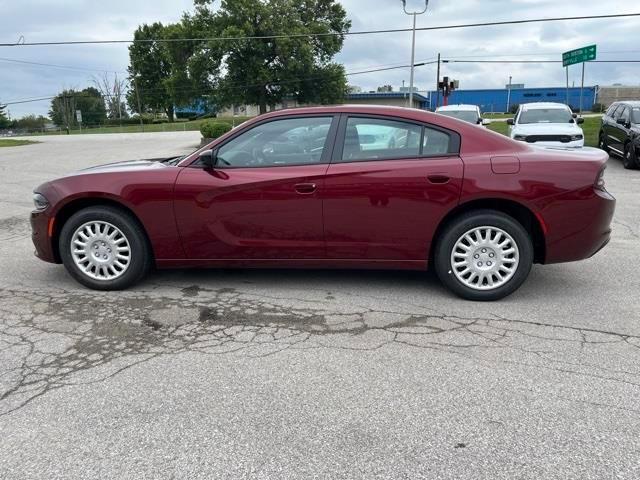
(147, 193)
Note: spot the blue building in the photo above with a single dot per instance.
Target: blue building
(495, 100)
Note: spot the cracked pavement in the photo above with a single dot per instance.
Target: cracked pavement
(311, 374)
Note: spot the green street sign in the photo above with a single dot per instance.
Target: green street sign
(579, 55)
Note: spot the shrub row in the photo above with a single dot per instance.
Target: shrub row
(214, 128)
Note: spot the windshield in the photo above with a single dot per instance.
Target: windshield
(546, 115)
(466, 115)
(635, 115)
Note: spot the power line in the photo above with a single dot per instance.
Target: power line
(326, 34)
(211, 90)
(39, 64)
(535, 61)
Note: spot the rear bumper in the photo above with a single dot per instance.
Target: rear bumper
(579, 225)
(40, 227)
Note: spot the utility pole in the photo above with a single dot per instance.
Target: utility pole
(438, 83)
(413, 43)
(509, 95)
(581, 89)
(135, 85)
(567, 69)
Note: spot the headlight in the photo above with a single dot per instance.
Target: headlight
(40, 201)
(522, 138)
(576, 137)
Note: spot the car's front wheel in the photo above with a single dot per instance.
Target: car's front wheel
(483, 255)
(602, 142)
(630, 158)
(104, 248)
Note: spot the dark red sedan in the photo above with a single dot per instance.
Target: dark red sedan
(347, 186)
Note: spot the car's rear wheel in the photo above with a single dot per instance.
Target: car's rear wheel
(104, 248)
(630, 158)
(602, 143)
(483, 255)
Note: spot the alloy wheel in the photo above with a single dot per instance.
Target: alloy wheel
(100, 250)
(485, 258)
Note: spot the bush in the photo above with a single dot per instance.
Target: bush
(514, 108)
(598, 107)
(210, 129)
(157, 121)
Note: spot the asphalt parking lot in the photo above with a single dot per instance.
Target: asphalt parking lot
(311, 374)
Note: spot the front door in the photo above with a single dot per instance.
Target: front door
(389, 184)
(262, 199)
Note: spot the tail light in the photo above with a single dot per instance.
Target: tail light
(599, 183)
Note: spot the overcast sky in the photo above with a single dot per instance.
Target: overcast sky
(46, 20)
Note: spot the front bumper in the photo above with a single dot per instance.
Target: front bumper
(41, 236)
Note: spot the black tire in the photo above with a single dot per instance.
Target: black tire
(630, 158)
(602, 143)
(140, 254)
(463, 224)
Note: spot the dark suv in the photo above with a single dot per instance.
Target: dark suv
(620, 132)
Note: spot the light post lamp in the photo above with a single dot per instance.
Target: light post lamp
(413, 43)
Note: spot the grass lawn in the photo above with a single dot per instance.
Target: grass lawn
(591, 127)
(14, 143)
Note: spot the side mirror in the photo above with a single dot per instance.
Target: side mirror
(510, 121)
(574, 115)
(207, 158)
(486, 121)
(621, 121)
(579, 120)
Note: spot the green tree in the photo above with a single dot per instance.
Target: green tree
(265, 71)
(4, 120)
(30, 122)
(149, 67)
(89, 101)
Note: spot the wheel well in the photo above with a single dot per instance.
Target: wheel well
(517, 211)
(74, 206)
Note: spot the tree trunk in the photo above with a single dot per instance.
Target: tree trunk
(263, 99)
(170, 113)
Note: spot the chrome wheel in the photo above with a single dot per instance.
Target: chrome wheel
(485, 258)
(100, 250)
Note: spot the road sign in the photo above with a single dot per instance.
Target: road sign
(79, 116)
(579, 55)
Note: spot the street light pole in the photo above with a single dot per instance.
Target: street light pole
(413, 43)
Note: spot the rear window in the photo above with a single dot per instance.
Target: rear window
(466, 115)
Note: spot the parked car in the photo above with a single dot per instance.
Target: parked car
(475, 205)
(468, 113)
(546, 124)
(620, 132)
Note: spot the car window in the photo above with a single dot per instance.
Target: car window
(611, 110)
(635, 115)
(466, 115)
(625, 114)
(293, 141)
(545, 115)
(617, 111)
(378, 139)
(435, 142)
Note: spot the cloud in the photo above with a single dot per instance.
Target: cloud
(41, 20)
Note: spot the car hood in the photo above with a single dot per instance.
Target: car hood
(546, 129)
(125, 166)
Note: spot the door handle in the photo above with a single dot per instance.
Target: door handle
(438, 179)
(305, 188)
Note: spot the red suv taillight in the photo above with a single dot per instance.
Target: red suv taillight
(599, 183)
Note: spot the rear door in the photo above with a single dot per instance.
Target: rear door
(262, 200)
(619, 131)
(389, 184)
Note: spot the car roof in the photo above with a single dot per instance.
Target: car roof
(459, 107)
(631, 103)
(541, 105)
